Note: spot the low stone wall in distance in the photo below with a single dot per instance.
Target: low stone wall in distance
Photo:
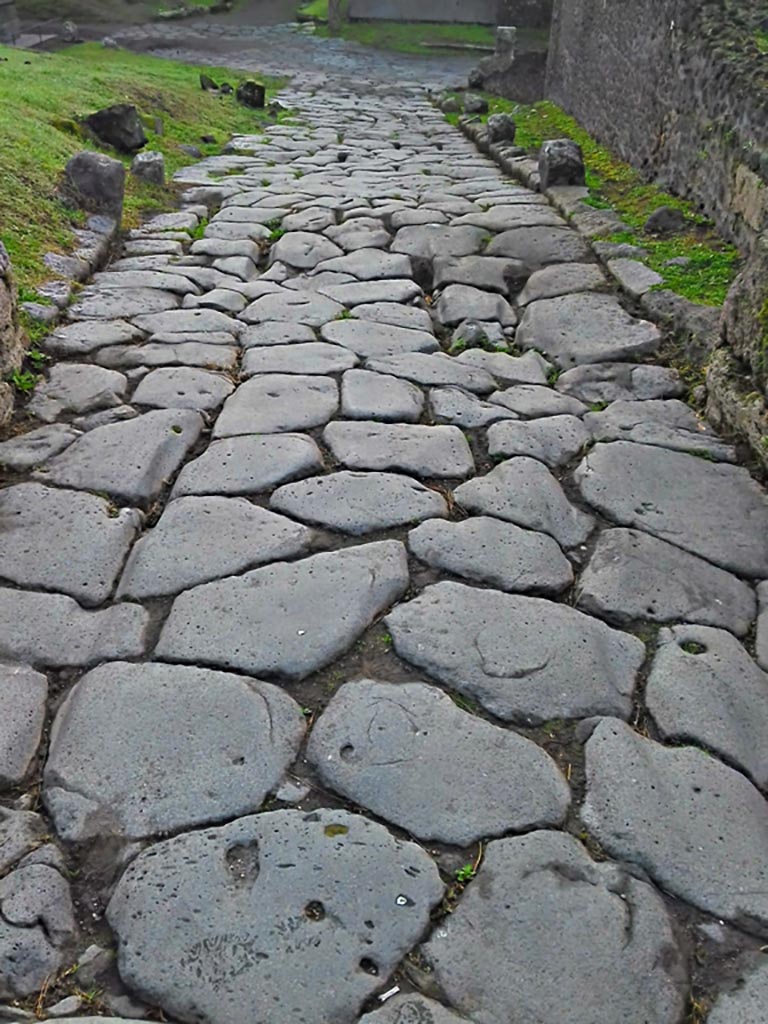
(471, 12)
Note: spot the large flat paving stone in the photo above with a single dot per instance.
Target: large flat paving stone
(249, 465)
(377, 742)
(188, 321)
(278, 403)
(368, 265)
(376, 396)
(288, 619)
(460, 408)
(536, 247)
(523, 658)
(434, 370)
(58, 633)
(301, 307)
(534, 401)
(303, 250)
(25, 451)
(163, 353)
(79, 338)
(530, 368)
(523, 491)
(23, 693)
(132, 461)
(313, 357)
(141, 750)
(490, 551)
(705, 688)
(394, 313)
(745, 1003)
(588, 942)
(460, 302)
(411, 1007)
(199, 539)
(553, 440)
(371, 340)
(431, 452)
(632, 575)
(359, 503)
(611, 382)
(76, 388)
(425, 242)
(183, 387)
(682, 499)
(359, 233)
(360, 293)
(668, 423)
(585, 328)
(517, 215)
(279, 332)
(101, 304)
(54, 539)
(698, 828)
(294, 918)
(494, 274)
(562, 279)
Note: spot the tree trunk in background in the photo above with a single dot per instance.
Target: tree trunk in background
(335, 15)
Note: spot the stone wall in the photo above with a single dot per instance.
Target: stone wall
(11, 337)
(478, 12)
(9, 21)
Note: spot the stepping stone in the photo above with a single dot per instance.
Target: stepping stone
(289, 619)
(460, 302)
(57, 632)
(435, 370)
(523, 659)
(199, 539)
(705, 688)
(527, 369)
(371, 340)
(33, 448)
(376, 396)
(490, 551)
(131, 461)
(523, 491)
(76, 388)
(310, 308)
(276, 403)
(745, 1004)
(278, 333)
(697, 828)
(249, 465)
(536, 247)
(287, 900)
(492, 274)
(313, 357)
(554, 440)
(360, 292)
(585, 328)
(681, 499)
(532, 401)
(589, 941)
(67, 541)
(368, 265)
(303, 250)
(611, 382)
(188, 321)
(668, 424)
(506, 218)
(360, 233)
(211, 357)
(359, 503)
(153, 749)
(23, 694)
(183, 388)
(377, 742)
(632, 576)
(80, 338)
(411, 317)
(101, 304)
(431, 452)
(425, 242)
(562, 279)
(414, 1007)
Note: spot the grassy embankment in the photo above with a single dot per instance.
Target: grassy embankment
(104, 11)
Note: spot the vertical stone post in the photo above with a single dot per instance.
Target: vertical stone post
(11, 336)
(335, 16)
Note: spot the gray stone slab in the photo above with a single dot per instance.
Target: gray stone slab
(368, 265)
(372, 340)
(697, 827)
(682, 499)
(536, 247)
(276, 403)
(554, 440)
(188, 321)
(434, 370)
(412, 317)
(704, 688)
(668, 423)
(166, 281)
(199, 539)
(23, 693)
(523, 658)
(142, 750)
(634, 277)
(76, 388)
(360, 233)
(303, 250)
(506, 218)
(375, 396)
(425, 242)
(428, 452)
(359, 503)
(223, 299)
(761, 640)
(360, 292)
(490, 551)
(302, 307)
(289, 619)
(192, 353)
(562, 279)
(310, 358)
(611, 382)
(249, 465)
(530, 368)
(80, 338)
(459, 302)
(223, 248)
(459, 408)
(632, 575)
(523, 491)
(278, 333)
(58, 633)
(744, 1004)
(494, 274)
(286, 901)
(313, 219)
(183, 387)
(101, 304)
(25, 451)
(67, 541)
(132, 461)
(20, 833)
(585, 328)
(377, 742)
(587, 940)
(318, 283)
(532, 401)
(416, 1008)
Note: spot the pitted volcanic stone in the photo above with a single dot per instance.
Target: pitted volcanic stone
(589, 942)
(79, 338)
(183, 388)
(667, 423)
(376, 396)
(682, 499)
(23, 693)
(434, 370)
(704, 687)
(460, 302)
(278, 333)
(141, 750)
(562, 279)
(611, 382)
(425, 451)
(279, 904)
(303, 250)
(411, 1009)
(698, 828)
(26, 451)
(20, 833)
(276, 403)
(425, 242)
(532, 401)
(493, 552)
(302, 307)
(536, 247)
(360, 233)
(411, 317)
(493, 274)
(359, 292)
(459, 408)
(523, 658)
(359, 503)
(507, 218)
(199, 539)
(368, 265)
(554, 440)
(101, 304)
(188, 321)
(211, 357)
(312, 219)
(377, 742)
(249, 465)
(132, 460)
(746, 1003)
(55, 539)
(371, 340)
(523, 491)
(530, 368)
(147, 279)
(314, 357)
(585, 328)
(76, 388)
(223, 299)
(288, 619)
(632, 575)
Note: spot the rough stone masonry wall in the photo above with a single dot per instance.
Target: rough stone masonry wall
(11, 338)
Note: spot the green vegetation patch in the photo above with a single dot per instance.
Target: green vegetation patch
(42, 98)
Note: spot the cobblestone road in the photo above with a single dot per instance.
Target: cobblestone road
(309, 621)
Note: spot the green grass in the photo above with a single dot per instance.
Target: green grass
(761, 38)
(40, 103)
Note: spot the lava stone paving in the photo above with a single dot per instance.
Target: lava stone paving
(383, 639)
